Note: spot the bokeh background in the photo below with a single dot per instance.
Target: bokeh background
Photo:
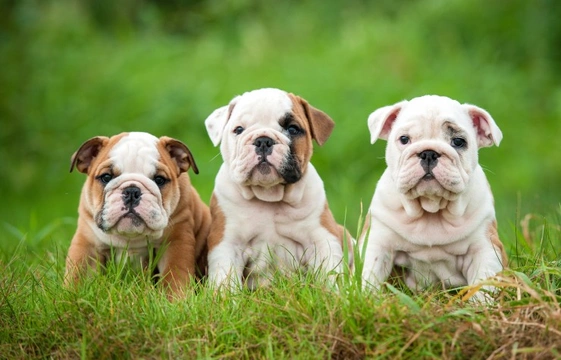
(74, 69)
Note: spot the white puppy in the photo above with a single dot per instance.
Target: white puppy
(432, 212)
(269, 209)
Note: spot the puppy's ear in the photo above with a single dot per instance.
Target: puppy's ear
(216, 121)
(488, 133)
(180, 154)
(380, 122)
(320, 123)
(83, 157)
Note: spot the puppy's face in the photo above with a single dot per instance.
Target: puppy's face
(432, 144)
(266, 136)
(132, 187)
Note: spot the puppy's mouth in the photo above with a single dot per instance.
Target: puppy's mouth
(428, 177)
(133, 217)
(264, 166)
(131, 224)
(263, 173)
(429, 184)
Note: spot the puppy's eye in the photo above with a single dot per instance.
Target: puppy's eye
(404, 139)
(293, 130)
(458, 143)
(105, 178)
(238, 130)
(160, 180)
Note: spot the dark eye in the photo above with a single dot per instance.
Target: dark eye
(293, 130)
(404, 139)
(238, 130)
(160, 180)
(105, 178)
(458, 143)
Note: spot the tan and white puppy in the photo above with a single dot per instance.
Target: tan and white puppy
(269, 209)
(138, 197)
(433, 212)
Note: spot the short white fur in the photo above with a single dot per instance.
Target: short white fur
(269, 226)
(439, 229)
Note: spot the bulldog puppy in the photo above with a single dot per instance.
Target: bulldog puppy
(269, 209)
(432, 213)
(138, 198)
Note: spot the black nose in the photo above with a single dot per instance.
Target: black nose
(263, 145)
(131, 196)
(429, 159)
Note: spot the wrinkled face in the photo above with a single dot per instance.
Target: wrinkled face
(433, 151)
(132, 186)
(266, 140)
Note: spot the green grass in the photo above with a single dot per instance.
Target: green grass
(121, 314)
(73, 70)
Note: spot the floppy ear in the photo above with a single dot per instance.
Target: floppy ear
(216, 121)
(83, 157)
(180, 154)
(488, 133)
(380, 122)
(320, 123)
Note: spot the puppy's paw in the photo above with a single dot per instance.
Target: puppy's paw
(480, 295)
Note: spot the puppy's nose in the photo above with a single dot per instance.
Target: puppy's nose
(131, 196)
(429, 159)
(263, 145)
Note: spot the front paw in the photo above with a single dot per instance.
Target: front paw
(480, 294)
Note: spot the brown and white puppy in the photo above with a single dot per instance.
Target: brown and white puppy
(138, 197)
(269, 209)
(433, 212)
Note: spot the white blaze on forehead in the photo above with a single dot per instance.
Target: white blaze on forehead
(263, 104)
(136, 153)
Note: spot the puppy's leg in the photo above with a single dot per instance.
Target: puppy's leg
(82, 257)
(378, 263)
(482, 264)
(177, 265)
(378, 256)
(225, 266)
(326, 254)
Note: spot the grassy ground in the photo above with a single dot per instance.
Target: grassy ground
(122, 315)
(74, 70)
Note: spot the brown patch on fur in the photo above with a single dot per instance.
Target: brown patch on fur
(320, 124)
(366, 226)
(328, 221)
(493, 235)
(315, 123)
(189, 224)
(218, 224)
(95, 148)
(302, 147)
(186, 240)
(179, 154)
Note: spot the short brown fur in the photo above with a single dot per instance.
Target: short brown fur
(493, 235)
(189, 224)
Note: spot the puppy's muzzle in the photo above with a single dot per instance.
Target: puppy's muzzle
(264, 146)
(429, 160)
(131, 197)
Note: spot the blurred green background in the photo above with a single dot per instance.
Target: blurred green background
(74, 69)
